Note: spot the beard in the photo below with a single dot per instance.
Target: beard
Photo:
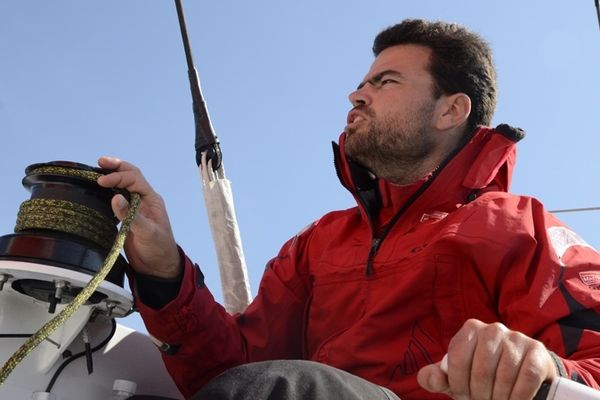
(392, 147)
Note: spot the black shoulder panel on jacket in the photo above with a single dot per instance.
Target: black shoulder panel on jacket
(510, 132)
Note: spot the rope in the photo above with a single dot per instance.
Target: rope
(63, 215)
(81, 298)
(66, 216)
(91, 176)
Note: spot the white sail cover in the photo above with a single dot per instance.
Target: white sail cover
(226, 235)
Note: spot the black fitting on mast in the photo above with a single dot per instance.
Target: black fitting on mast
(206, 140)
(598, 10)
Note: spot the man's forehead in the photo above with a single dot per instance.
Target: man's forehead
(404, 59)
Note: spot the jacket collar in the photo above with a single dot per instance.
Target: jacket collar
(484, 163)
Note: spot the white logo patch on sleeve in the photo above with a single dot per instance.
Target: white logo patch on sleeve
(563, 238)
(590, 278)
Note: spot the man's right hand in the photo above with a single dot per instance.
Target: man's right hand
(490, 361)
(150, 246)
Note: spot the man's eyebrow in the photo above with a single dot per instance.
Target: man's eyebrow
(377, 77)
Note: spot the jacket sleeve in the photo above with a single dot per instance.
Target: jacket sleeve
(202, 339)
(547, 285)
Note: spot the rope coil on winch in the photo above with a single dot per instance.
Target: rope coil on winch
(68, 217)
(63, 215)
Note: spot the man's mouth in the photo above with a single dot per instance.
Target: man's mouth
(355, 116)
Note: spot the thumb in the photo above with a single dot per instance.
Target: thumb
(433, 379)
(120, 206)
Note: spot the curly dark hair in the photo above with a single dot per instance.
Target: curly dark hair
(461, 62)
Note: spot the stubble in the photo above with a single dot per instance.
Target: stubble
(393, 147)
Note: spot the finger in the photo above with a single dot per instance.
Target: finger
(122, 175)
(433, 379)
(115, 164)
(536, 367)
(129, 179)
(485, 359)
(508, 367)
(460, 357)
(110, 163)
(120, 206)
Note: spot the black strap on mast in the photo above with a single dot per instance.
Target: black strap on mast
(598, 10)
(206, 140)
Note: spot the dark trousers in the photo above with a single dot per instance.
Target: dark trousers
(290, 380)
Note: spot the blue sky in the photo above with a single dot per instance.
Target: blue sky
(80, 79)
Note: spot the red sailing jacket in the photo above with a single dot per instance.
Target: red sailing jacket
(380, 289)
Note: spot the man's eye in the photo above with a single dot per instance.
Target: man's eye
(386, 81)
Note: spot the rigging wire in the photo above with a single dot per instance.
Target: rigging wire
(566, 210)
(81, 354)
(206, 140)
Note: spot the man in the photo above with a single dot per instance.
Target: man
(436, 258)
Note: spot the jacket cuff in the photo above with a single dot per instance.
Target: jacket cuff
(178, 319)
(157, 292)
(560, 368)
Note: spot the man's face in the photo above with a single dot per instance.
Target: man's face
(391, 125)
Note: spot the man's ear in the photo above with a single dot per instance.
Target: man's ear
(453, 110)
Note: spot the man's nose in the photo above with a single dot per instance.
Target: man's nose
(359, 97)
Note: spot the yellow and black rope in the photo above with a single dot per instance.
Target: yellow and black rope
(68, 217)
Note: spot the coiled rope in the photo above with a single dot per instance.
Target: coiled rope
(62, 217)
(65, 216)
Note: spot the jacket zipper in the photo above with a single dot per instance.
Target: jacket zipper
(374, 247)
(378, 239)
